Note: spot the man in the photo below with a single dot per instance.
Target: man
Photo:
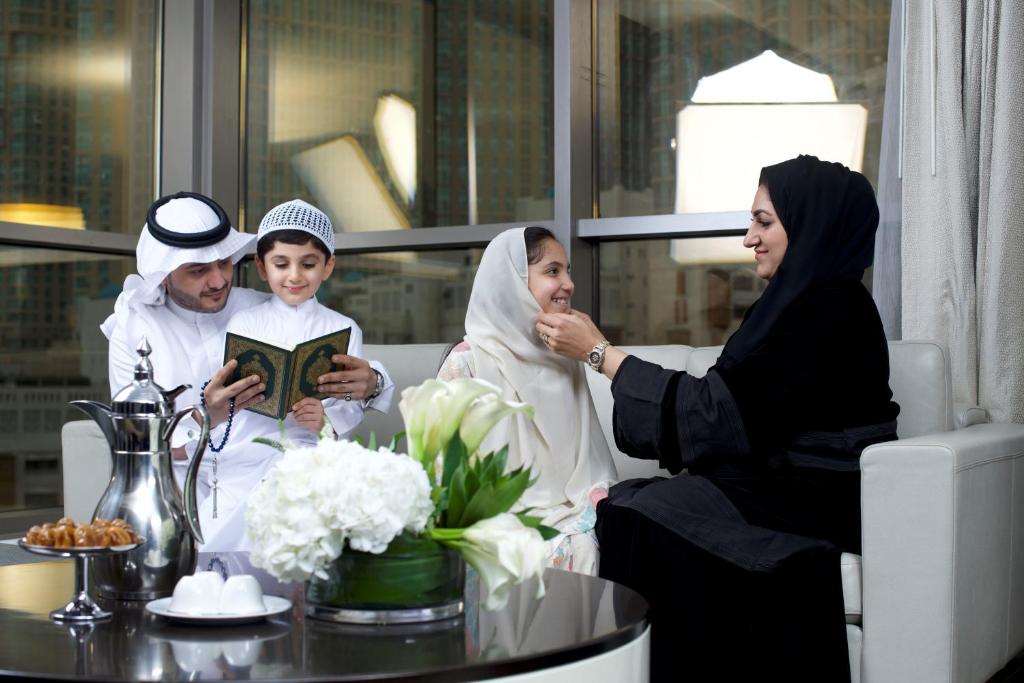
(181, 301)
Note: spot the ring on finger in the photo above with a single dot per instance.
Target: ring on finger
(348, 395)
(545, 338)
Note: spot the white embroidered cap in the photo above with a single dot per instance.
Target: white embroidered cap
(298, 215)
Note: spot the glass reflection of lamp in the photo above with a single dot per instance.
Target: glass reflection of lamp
(346, 186)
(50, 215)
(759, 112)
(395, 125)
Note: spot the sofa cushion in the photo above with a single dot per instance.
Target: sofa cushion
(668, 356)
(701, 360)
(86, 462)
(850, 568)
(919, 375)
(408, 365)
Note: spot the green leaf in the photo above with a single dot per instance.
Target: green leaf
(501, 460)
(492, 466)
(480, 506)
(528, 520)
(372, 445)
(357, 439)
(456, 499)
(440, 498)
(395, 440)
(472, 481)
(509, 491)
(454, 456)
(532, 522)
(269, 442)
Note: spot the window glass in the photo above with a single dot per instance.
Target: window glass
(77, 98)
(51, 352)
(398, 297)
(394, 114)
(694, 97)
(690, 291)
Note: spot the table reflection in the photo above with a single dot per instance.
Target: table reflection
(578, 617)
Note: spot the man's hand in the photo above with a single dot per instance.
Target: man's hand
(246, 392)
(309, 413)
(354, 382)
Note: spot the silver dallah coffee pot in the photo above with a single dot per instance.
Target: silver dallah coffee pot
(142, 490)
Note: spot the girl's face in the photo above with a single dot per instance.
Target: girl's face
(549, 280)
(766, 235)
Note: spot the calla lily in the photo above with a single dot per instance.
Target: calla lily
(415, 408)
(483, 415)
(505, 553)
(462, 392)
(433, 411)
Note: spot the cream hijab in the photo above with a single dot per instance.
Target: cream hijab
(563, 443)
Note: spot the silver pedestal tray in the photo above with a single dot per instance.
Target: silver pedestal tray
(81, 608)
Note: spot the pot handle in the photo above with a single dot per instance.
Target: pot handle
(189, 489)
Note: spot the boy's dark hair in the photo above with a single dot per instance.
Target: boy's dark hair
(298, 237)
(534, 238)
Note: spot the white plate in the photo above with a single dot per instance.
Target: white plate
(273, 603)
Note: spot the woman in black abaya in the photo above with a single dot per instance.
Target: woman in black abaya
(739, 556)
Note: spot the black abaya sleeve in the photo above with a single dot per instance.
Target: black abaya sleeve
(674, 417)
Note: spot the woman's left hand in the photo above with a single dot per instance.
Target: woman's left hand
(571, 334)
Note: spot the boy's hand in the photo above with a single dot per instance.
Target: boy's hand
(309, 413)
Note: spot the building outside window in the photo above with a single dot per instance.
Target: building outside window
(692, 99)
(77, 132)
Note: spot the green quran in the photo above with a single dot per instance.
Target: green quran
(289, 373)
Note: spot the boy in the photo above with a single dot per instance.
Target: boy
(294, 255)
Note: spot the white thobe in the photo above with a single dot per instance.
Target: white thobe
(287, 326)
(243, 464)
(188, 348)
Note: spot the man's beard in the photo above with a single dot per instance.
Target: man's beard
(196, 303)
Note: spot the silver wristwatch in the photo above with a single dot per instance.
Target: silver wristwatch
(377, 388)
(596, 357)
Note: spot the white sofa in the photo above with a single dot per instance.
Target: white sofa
(938, 595)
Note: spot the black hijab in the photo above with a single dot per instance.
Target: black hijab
(830, 215)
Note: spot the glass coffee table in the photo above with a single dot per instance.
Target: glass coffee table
(584, 628)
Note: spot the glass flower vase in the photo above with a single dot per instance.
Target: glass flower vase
(414, 580)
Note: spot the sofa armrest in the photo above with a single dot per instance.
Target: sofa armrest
(942, 551)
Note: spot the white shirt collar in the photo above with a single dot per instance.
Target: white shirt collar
(283, 308)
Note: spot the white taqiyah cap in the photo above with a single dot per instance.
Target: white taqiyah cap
(298, 215)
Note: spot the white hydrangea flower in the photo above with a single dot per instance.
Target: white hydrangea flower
(315, 499)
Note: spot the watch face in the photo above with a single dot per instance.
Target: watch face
(595, 357)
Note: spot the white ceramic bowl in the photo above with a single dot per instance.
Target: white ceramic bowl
(198, 594)
(241, 595)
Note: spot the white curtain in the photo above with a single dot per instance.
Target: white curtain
(962, 241)
(885, 274)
